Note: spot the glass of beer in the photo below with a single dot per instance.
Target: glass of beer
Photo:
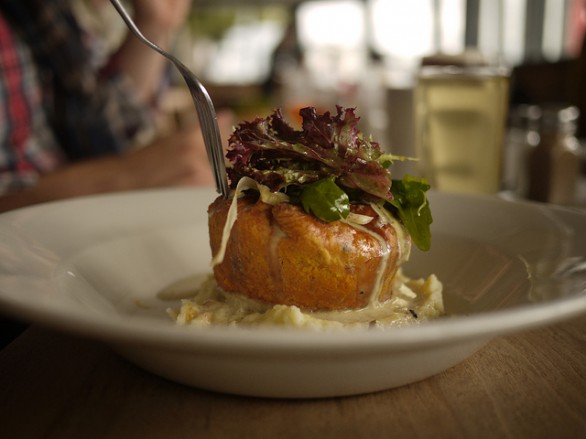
(460, 121)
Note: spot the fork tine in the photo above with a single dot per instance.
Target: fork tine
(206, 112)
(210, 130)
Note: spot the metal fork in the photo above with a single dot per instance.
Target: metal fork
(203, 104)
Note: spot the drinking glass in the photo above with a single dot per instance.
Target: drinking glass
(460, 120)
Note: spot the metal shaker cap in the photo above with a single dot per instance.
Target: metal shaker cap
(559, 118)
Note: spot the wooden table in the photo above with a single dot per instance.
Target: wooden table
(530, 385)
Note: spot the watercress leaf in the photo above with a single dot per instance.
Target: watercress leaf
(325, 200)
(411, 205)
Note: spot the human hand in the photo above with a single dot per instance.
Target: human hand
(158, 20)
(177, 159)
(167, 15)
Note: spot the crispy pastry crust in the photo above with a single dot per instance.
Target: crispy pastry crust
(282, 255)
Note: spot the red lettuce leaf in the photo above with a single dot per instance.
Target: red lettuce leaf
(272, 152)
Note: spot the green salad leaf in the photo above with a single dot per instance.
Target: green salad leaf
(325, 166)
(411, 206)
(325, 200)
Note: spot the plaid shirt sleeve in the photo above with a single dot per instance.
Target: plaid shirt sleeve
(130, 120)
(27, 145)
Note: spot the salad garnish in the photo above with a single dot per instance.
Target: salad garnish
(325, 166)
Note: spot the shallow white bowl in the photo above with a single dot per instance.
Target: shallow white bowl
(93, 266)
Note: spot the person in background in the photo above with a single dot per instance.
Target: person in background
(72, 124)
(70, 127)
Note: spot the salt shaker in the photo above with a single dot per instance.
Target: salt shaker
(522, 138)
(554, 164)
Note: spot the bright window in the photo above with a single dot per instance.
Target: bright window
(333, 24)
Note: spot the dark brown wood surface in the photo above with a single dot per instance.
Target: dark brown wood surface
(529, 385)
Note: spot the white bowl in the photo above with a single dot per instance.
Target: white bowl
(93, 266)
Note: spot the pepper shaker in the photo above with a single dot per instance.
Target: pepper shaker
(522, 138)
(554, 164)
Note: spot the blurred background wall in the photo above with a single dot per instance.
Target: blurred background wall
(255, 55)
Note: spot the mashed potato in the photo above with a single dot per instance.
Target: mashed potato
(412, 301)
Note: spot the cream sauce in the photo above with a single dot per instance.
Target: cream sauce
(382, 266)
(403, 239)
(413, 301)
(183, 288)
(266, 196)
(276, 236)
